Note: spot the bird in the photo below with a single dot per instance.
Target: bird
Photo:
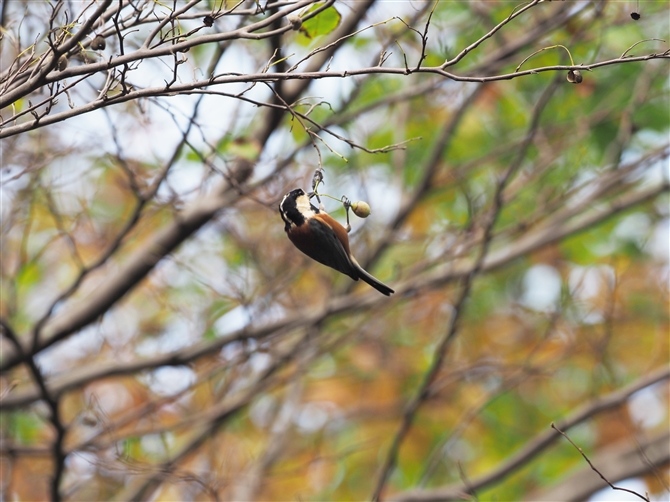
(319, 236)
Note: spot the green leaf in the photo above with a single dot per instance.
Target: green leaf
(321, 24)
(25, 427)
(29, 275)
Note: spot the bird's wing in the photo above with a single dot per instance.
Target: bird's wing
(323, 246)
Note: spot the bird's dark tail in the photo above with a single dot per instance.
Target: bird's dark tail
(379, 286)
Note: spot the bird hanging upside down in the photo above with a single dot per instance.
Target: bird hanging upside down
(322, 238)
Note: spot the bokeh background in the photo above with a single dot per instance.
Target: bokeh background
(163, 340)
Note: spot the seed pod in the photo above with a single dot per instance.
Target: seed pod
(99, 43)
(62, 63)
(574, 77)
(89, 419)
(295, 21)
(208, 21)
(361, 209)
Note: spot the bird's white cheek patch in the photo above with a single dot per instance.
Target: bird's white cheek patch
(303, 205)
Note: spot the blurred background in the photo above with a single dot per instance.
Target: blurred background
(163, 339)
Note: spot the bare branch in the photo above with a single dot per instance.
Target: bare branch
(539, 443)
(445, 341)
(619, 462)
(554, 230)
(593, 467)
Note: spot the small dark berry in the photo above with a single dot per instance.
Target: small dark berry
(98, 43)
(62, 63)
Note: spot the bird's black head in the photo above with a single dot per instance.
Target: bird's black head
(295, 208)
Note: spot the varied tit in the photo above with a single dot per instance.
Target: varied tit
(322, 238)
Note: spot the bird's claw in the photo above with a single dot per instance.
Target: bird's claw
(347, 205)
(317, 178)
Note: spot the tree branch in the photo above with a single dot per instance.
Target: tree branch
(616, 463)
(556, 229)
(536, 445)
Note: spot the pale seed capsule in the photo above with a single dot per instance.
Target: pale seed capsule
(361, 209)
(574, 77)
(62, 63)
(295, 21)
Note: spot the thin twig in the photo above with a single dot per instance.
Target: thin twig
(594, 468)
(450, 333)
(638, 43)
(137, 93)
(52, 403)
(539, 443)
(554, 230)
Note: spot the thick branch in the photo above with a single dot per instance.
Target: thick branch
(555, 230)
(140, 263)
(305, 77)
